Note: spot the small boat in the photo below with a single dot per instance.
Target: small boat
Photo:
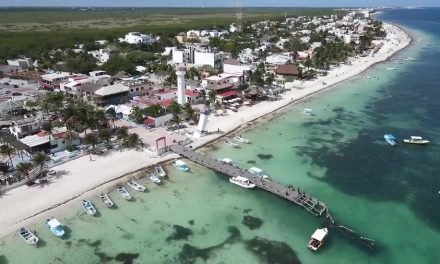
(317, 239)
(390, 139)
(105, 199)
(242, 182)
(241, 139)
(124, 193)
(154, 178)
(160, 171)
(88, 207)
(180, 165)
(391, 69)
(308, 111)
(232, 144)
(416, 140)
(55, 227)
(28, 236)
(227, 161)
(136, 186)
(258, 172)
(410, 59)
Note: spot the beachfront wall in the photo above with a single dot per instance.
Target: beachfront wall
(162, 120)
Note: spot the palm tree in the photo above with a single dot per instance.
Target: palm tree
(91, 140)
(6, 150)
(211, 96)
(69, 136)
(24, 168)
(122, 133)
(39, 160)
(137, 114)
(105, 134)
(48, 128)
(189, 111)
(132, 140)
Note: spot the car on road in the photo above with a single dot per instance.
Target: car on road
(16, 94)
(15, 86)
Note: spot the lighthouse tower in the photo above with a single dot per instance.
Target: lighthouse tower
(181, 84)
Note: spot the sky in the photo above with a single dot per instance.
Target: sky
(223, 3)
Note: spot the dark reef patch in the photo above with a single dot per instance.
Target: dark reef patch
(3, 260)
(103, 258)
(265, 156)
(127, 258)
(246, 211)
(179, 233)
(252, 222)
(251, 162)
(191, 222)
(273, 252)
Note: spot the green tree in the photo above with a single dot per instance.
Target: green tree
(174, 108)
(122, 133)
(153, 110)
(6, 150)
(137, 114)
(105, 135)
(24, 168)
(91, 139)
(118, 63)
(189, 111)
(39, 160)
(82, 63)
(69, 136)
(132, 140)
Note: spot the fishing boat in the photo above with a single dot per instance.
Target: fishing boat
(242, 182)
(416, 140)
(160, 171)
(308, 111)
(28, 236)
(232, 144)
(88, 207)
(154, 178)
(391, 69)
(124, 193)
(105, 199)
(241, 139)
(136, 186)
(258, 172)
(55, 227)
(390, 139)
(317, 239)
(180, 165)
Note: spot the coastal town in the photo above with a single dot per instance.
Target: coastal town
(126, 100)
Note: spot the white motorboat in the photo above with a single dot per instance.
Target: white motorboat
(180, 165)
(317, 239)
(124, 193)
(154, 178)
(416, 140)
(308, 111)
(136, 186)
(232, 144)
(88, 207)
(242, 182)
(241, 139)
(160, 171)
(391, 69)
(55, 227)
(258, 172)
(227, 161)
(28, 236)
(105, 199)
(390, 139)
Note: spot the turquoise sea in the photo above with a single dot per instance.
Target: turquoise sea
(339, 156)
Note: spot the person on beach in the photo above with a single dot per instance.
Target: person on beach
(90, 156)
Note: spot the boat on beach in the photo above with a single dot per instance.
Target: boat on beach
(28, 236)
(241, 139)
(231, 144)
(242, 182)
(55, 227)
(390, 139)
(154, 178)
(180, 165)
(88, 207)
(258, 172)
(416, 140)
(105, 199)
(124, 193)
(317, 239)
(160, 171)
(136, 186)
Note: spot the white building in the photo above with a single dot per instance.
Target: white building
(25, 63)
(234, 67)
(137, 38)
(55, 142)
(24, 127)
(102, 55)
(278, 59)
(213, 59)
(185, 55)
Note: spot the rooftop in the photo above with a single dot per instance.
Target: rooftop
(112, 89)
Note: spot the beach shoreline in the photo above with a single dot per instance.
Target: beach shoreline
(80, 177)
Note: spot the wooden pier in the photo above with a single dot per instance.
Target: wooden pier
(290, 193)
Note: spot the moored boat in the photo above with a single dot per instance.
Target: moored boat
(416, 140)
(242, 182)
(390, 139)
(317, 239)
(160, 171)
(124, 193)
(105, 199)
(154, 178)
(230, 143)
(241, 139)
(28, 236)
(308, 111)
(180, 165)
(136, 186)
(258, 172)
(55, 227)
(391, 69)
(88, 207)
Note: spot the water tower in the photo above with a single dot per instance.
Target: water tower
(181, 84)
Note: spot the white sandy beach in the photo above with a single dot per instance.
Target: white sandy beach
(79, 177)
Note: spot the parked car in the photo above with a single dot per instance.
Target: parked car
(16, 94)
(15, 86)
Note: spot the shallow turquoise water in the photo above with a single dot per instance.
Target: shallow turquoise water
(338, 156)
